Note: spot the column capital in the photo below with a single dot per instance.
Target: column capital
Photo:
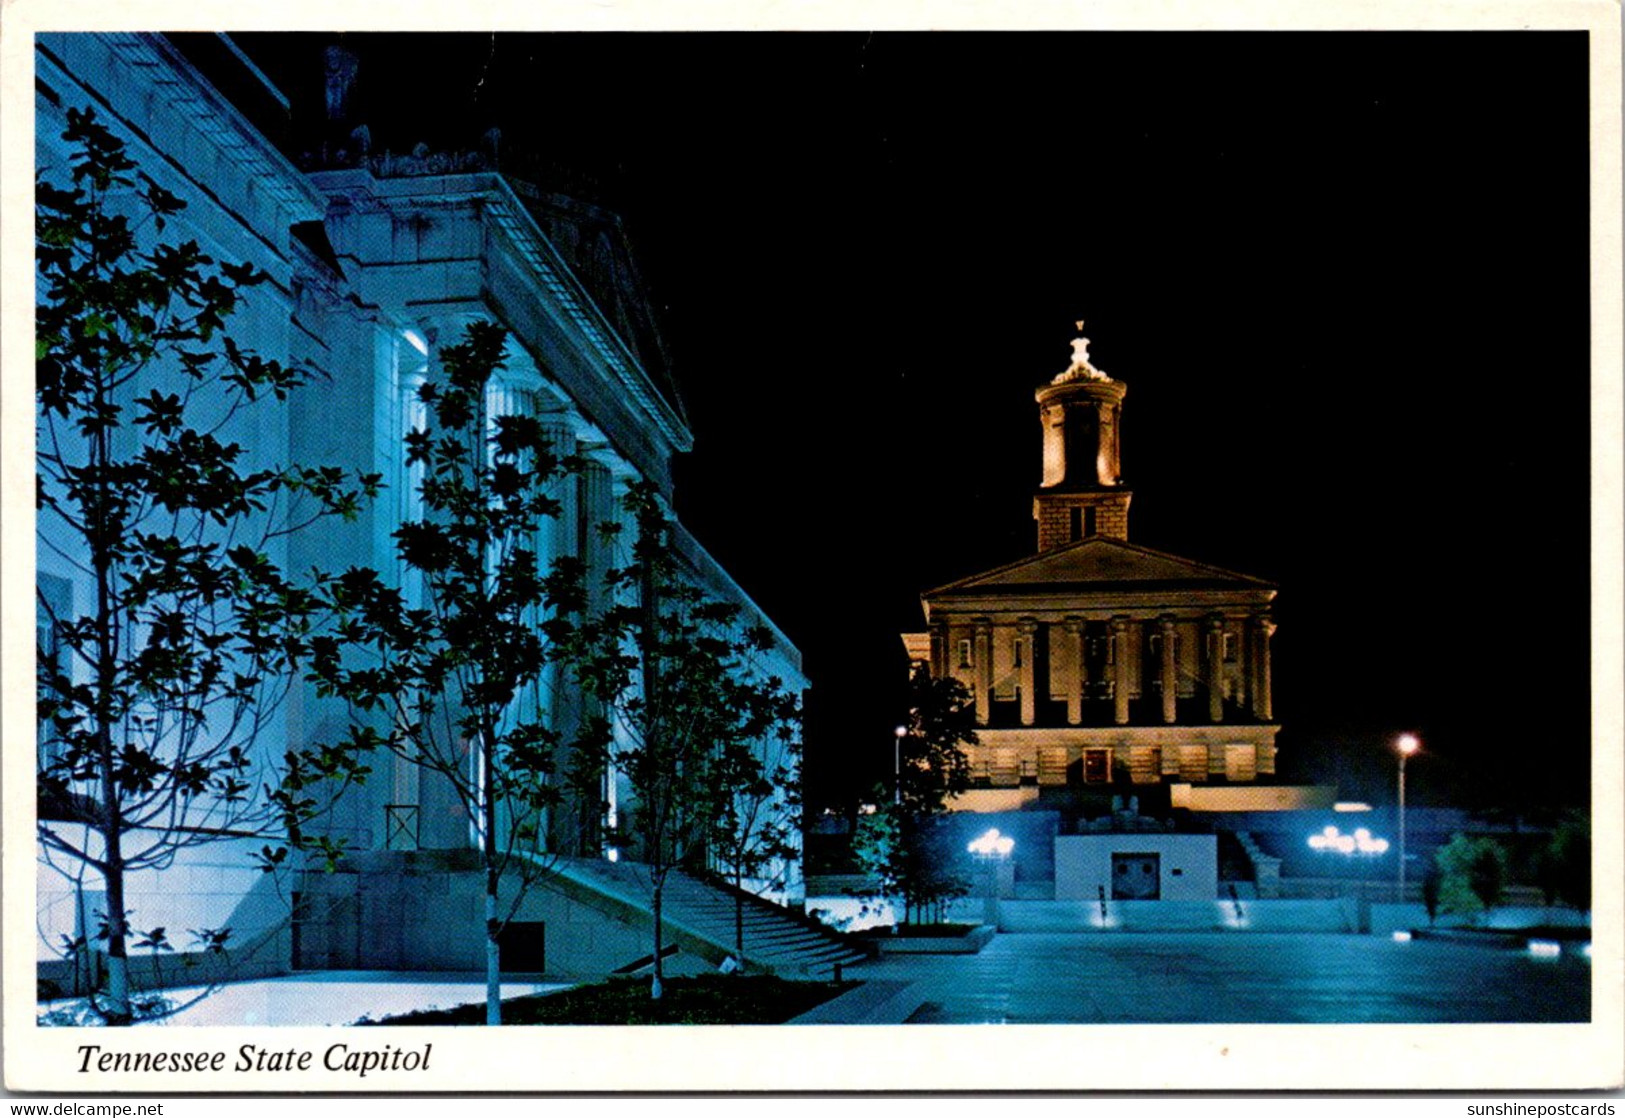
(1073, 624)
(1027, 625)
(1120, 622)
(1165, 622)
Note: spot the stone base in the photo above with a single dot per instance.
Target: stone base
(968, 944)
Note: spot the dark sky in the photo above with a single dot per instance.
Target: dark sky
(1344, 277)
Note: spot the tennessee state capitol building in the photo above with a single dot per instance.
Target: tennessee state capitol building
(1097, 660)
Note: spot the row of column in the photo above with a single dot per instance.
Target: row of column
(1259, 630)
(587, 498)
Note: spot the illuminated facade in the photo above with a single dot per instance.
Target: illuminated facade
(1097, 662)
(375, 263)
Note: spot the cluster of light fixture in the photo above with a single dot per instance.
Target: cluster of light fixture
(992, 844)
(1360, 842)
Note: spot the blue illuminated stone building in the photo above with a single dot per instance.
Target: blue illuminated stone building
(377, 260)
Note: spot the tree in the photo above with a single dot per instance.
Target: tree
(449, 678)
(903, 842)
(1472, 874)
(685, 710)
(154, 698)
(1565, 864)
(757, 834)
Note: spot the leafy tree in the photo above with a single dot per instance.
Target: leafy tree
(449, 678)
(1431, 881)
(154, 695)
(903, 843)
(685, 710)
(1565, 864)
(756, 837)
(1472, 874)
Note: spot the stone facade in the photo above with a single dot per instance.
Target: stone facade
(1098, 661)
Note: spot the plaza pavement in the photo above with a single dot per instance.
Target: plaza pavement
(1285, 978)
(1067, 978)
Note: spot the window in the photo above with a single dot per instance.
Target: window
(964, 654)
(1019, 643)
(1076, 528)
(1089, 522)
(1230, 648)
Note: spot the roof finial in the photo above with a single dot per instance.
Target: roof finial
(1080, 369)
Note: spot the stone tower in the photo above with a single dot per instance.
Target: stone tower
(1082, 492)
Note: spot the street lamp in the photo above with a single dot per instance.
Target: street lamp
(1406, 745)
(992, 848)
(898, 734)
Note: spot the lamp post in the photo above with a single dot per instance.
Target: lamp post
(1406, 745)
(898, 734)
(992, 849)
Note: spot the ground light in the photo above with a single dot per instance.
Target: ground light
(1402, 936)
(1545, 949)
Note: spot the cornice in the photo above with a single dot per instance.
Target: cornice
(190, 95)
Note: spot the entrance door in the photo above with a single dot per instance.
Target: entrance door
(1097, 766)
(1136, 877)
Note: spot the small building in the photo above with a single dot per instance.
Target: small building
(1136, 867)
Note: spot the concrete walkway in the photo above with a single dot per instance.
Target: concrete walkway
(335, 997)
(1167, 978)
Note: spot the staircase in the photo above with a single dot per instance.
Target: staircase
(776, 939)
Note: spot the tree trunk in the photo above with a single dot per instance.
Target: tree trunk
(493, 956)
(112, 821)
(117, 1009)
(488, 854)
(739, 922)
(657, 987)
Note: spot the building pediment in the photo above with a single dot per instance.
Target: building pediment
(1099, 565)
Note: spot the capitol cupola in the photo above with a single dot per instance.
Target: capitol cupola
(1082, 493)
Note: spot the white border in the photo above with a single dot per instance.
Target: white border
(1051, 1057)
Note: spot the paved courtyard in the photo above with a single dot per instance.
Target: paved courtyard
(1167, 978)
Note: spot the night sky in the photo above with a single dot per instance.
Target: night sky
(1344, 277)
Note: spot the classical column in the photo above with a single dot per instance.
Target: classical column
(1262, 629)
(1076, 670)
(1027, 630)
(1215, 668)
(1170, 683)
(939, 650)
(982, 654)
(1120, 675)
